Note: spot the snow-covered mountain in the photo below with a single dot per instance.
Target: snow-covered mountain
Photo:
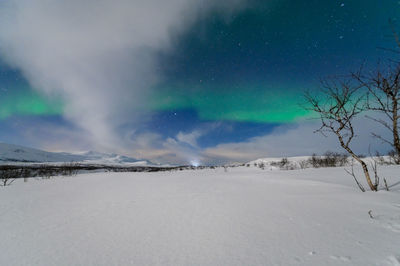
(15, 153)
(105, 158)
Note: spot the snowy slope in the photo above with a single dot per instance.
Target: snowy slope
(245, 216)
(269, 163)
(105, 158)
(15, 153)
(302, 162)
(278, 159)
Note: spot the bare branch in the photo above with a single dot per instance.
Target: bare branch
(354, 176)
(384, 97)
(338, 103)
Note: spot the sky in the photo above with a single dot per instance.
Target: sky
(182, 81)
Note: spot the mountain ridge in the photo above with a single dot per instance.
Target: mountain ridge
(11, 153)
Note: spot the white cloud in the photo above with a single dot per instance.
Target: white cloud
(189, 138)
(297, 140)
(286, 140)
(98, 55)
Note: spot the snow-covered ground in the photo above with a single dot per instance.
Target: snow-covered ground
(245, 216)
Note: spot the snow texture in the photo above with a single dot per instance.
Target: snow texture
(242, 216)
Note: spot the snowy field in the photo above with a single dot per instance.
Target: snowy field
(246, 216)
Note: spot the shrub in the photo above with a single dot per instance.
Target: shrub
(8, 176)
(330, 159)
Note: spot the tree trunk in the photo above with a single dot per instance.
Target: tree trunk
(365, 169)
(366, 173)
(396, 139)
(363, 164)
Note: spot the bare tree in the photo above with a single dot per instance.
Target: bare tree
(384, 97)
(339, 102)
(8, 176)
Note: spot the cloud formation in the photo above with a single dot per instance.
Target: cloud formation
(297, 140)
(97, 55)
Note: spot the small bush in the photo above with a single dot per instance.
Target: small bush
(284, 162)
(8, 176)
(394, 157)
(329, 159)
(303, 164)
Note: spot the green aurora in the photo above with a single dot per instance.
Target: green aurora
(252, 67)
(250, 104)
(25, 102)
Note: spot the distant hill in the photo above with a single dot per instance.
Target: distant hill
(15, 153)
